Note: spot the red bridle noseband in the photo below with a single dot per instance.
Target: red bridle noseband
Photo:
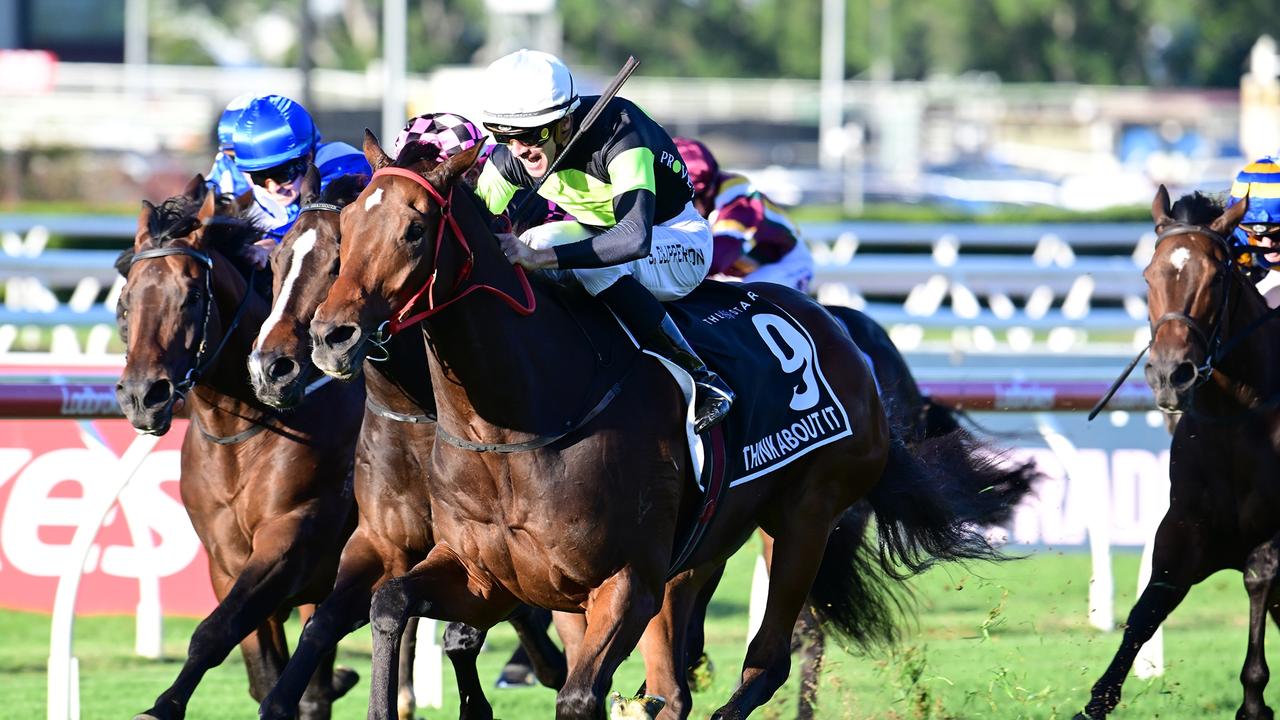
(399, 321)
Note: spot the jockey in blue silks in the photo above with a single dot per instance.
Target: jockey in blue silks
(1260, 226)
(274, 139)
(224, 175)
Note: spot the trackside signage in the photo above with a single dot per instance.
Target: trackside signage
(49, 476)
(49, 479)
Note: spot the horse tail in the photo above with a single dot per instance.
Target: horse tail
(931, 497)
(1009, 486)
(852, 595)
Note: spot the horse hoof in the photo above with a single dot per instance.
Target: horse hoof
(344, 678)
(702, 674)
(641, 707)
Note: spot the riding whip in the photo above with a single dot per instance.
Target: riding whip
(605, 96)
(1119, 381)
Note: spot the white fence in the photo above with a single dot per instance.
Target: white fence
(1012, 288)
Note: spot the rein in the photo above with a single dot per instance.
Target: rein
(400, 321)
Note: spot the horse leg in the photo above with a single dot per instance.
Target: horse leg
(406, 701)
(701, 670)
(1259, 581)
(1177, 564)
(665, 642)
(810, 641)
(265, 652)
(462, 643)
(436, 587)
(797, 554)
(343, 611)
(617, 613)
(547, 660)
(275, 565)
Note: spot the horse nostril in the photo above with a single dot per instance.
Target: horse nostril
(160, 392)
(282, 368)
(340, 335)
(1183, 375)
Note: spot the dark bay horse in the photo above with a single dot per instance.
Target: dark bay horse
(269, 495)
(584, 515)
(393, 456)
(1214, 359)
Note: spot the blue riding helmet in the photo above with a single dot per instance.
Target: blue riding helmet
(1260, 181)
(271, 131)
(227, 121)
(336, 159)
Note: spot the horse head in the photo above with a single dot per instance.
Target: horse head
(392, 244)
(168, 311)
(1188, 279)
(304, 267)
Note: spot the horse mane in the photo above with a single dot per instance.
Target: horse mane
(175, 217)
(343, 190)
(1197, 208)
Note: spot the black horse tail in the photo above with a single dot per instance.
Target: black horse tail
(852, 594)
(931, 499)
(1008, 486)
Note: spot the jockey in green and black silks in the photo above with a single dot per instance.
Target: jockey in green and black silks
(636, 237)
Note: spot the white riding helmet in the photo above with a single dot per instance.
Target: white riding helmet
(527, 89)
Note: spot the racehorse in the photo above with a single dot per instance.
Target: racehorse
(560, 474)
(393, 532)
(1214, 345)
(918, 416)
(269, 495)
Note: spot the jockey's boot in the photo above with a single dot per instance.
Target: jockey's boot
(714, 398)
(650, 324)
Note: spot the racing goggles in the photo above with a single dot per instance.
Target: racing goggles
(282, 174)
(532, 137)
(1262, 230)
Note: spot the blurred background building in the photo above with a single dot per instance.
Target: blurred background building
(974, 104)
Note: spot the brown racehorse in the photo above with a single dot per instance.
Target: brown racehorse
(269, 495)
(392, 459)
(1214, 352)
(580, 509)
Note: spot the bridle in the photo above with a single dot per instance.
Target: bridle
(402, 318)
(202, 361)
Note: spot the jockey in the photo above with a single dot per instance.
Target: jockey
(274, 139)
(1260, 226)
(224, 175)
(451, 134)
(637, 238)
(755, 241)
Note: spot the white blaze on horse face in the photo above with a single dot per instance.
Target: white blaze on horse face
(1178, 258)
(373, 200)
(301, 247)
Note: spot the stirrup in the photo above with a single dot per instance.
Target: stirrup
(712, 407)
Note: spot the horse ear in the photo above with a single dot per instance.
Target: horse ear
(209, 207)
(451, 169)
(373, 151)
(244, 201)
(310, 191)
(1160, 207)
(1227, 222)
(194, 186)
(144, 222)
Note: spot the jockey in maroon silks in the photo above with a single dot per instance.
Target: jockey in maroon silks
(755, 241)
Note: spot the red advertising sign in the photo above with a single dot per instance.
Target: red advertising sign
(51, 472)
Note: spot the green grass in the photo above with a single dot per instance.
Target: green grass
(1006, 641)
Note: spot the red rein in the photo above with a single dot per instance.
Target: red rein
(399, 321)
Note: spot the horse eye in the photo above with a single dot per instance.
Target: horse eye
(414, 233)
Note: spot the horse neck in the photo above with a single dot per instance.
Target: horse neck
(1248, 373)
(488, 362)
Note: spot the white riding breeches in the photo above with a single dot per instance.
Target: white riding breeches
(795, 269)
(678, 258)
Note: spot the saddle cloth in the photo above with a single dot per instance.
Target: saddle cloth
(784, 409)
